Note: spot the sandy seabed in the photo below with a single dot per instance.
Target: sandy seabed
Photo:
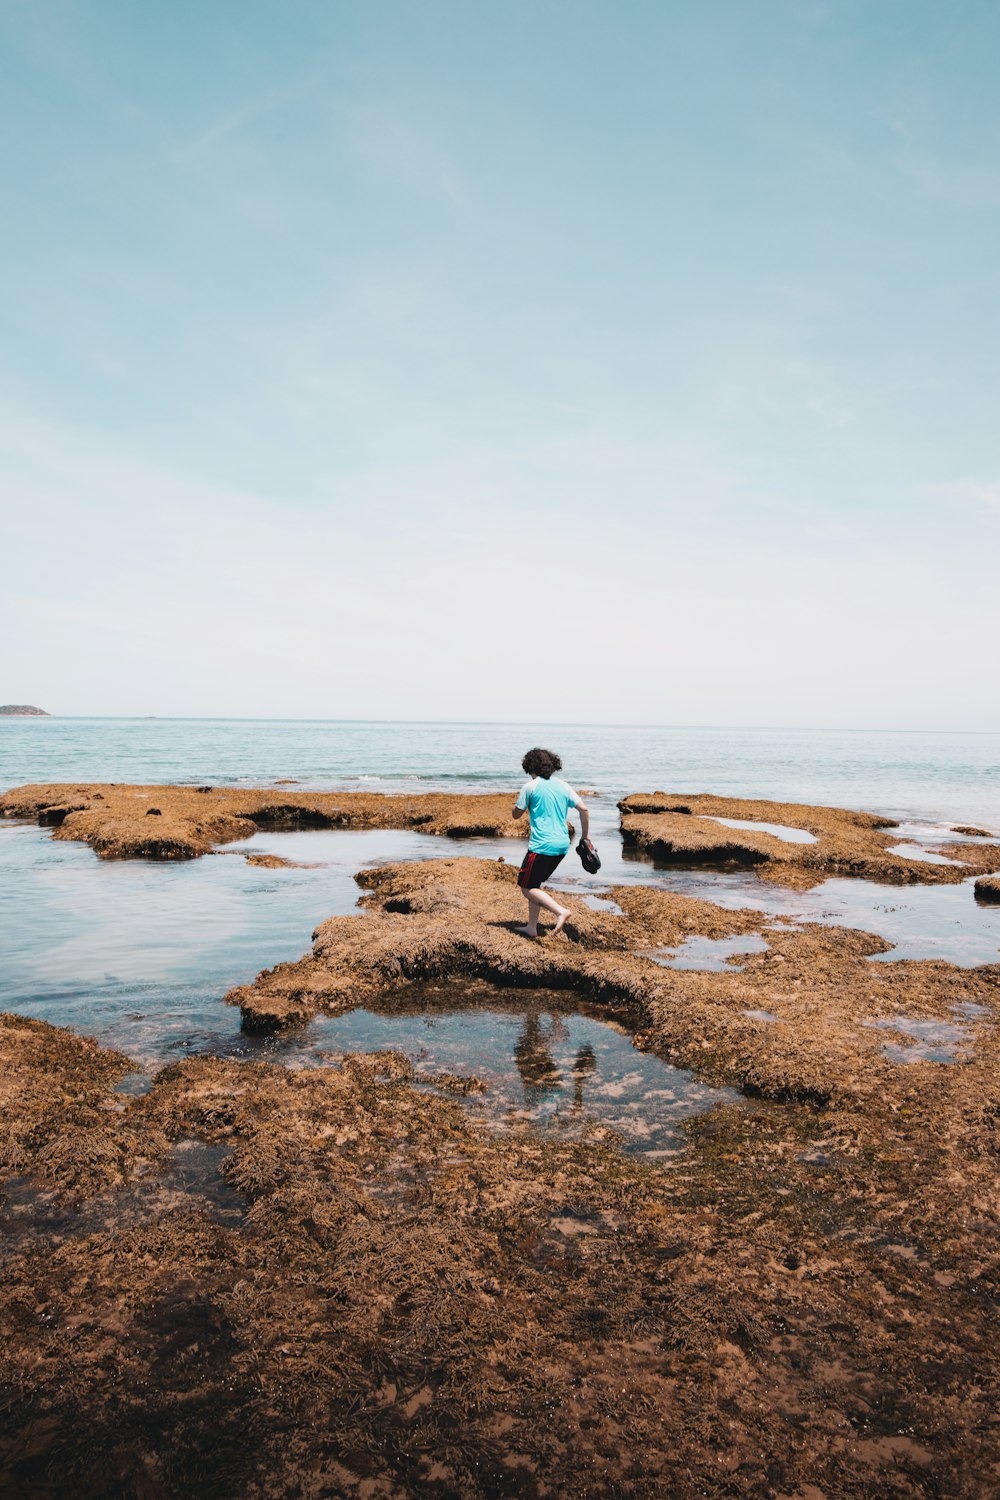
(255, 1281)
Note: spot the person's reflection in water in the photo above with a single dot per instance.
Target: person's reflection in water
(540, 1078)
(584, 1064)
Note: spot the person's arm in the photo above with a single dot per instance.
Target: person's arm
(521, 805)
(517, 812)
(582, 808)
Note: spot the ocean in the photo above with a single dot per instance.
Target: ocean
(932, 776)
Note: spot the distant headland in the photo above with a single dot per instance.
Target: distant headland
(23, 711)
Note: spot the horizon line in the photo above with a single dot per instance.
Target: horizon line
(489, 723)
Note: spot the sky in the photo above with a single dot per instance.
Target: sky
(618, 362)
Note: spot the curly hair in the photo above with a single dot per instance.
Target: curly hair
(540, 762)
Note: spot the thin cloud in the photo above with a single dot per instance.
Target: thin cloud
(380, 136)
(968, 490)
(237, 119)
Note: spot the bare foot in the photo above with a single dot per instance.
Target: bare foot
(531, 932)
(564, 912)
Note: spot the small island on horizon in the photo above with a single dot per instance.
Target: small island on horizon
(23, 711)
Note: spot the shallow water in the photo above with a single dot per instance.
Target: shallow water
(139, 954)
(777, 830)
(928, 1040)
(926, 831)
(711, 954)
(546, 1059)
(189, 1179)
(924, 856)
(939, 777)
(921, 921)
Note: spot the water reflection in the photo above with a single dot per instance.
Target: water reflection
(584, 1065)
(547, 1058)
(539, 1075)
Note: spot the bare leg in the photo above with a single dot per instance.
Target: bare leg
(538, 899)
(531, 928)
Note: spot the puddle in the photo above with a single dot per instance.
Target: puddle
(930, 1040)
(189, 1179)
(760, 1015)
(547, 1060)
(711, 954)
(603, 903)
(925, 856)
(971, 1011)
(134, 1084)
(778, 830)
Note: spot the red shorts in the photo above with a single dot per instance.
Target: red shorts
(537, 868)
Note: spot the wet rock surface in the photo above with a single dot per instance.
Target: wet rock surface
(113, 819)
(686, 830)
(278, 862)
(988, 888)
(238, 1279)
(458, 917)
(358, 1291)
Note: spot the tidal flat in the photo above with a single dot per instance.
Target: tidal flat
(365, 1276)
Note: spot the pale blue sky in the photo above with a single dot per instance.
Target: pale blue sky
(341, 341)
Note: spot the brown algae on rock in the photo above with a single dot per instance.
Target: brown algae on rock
(394, 1300)
(435, 919)
(245, 1280)
(677, 829)
(278, 862)
(113, 820)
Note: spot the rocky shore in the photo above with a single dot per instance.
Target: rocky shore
(689, 830)
(255, 1282)
(178, 822)
(831, 1007)
(252, 1282)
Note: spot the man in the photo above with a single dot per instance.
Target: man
(546, 800)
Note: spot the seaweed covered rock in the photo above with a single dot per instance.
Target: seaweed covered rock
(790, 843)
(190, 821)
(404, 1302)
(457, 919)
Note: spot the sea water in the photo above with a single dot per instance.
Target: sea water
(932, 776)
(139, 954)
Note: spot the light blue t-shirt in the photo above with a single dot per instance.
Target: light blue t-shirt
(547, 803)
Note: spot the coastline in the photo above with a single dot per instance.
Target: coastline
(386, 1286)
(907, 775)
(383, 1290)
